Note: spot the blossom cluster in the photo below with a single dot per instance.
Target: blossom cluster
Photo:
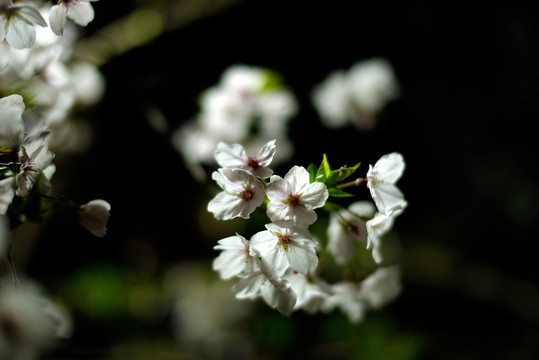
(356, 95)
(41, 84)
(249, 105)
(282, 263)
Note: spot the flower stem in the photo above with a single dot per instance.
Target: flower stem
(356, 182)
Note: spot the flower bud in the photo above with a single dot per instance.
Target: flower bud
(94, 216)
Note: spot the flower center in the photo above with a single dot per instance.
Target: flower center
(284, 241)
(246, 194)
(252, 163)
(293, 200)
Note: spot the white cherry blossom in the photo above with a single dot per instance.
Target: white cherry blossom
(377, 227)
(281, 248)
(292, 199)
(381, 179)
(235, 156)
(242, 194)
(80, 11)
(17, 24)
(35, 161)
(235, 258)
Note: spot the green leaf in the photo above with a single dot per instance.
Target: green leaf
(336, 176)
(311, 169)
(272, 81)
(336, 192)
(324, 170)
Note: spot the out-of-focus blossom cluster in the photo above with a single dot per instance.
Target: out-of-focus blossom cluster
(41, 86)
(43, 70)
(285, 264)
(357, 95)
(249, 105)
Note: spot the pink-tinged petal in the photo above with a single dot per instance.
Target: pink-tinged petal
(20, 35)
(58, 18)
(81, 12)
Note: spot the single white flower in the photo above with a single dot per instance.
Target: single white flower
(381, 179)
(35, 158)
(80, 11)
(17, 25)
(94, 216)
(264, 283)
(346, 228)
(381, 287)
(235, 258)
(235, 156)
(292, 199)
(242, 194)
(281, 248)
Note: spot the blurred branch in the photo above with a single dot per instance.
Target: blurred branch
(447, 270)
(143, 25)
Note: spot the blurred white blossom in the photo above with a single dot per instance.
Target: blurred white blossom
(356, 95)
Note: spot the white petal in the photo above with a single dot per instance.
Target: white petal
(81, 12)
(298, 178)
(302, 258)
(230, 156)
(388, 198)
(57, 18)
(32, 15)
(390, 167)
(315, 196)
(225, 206)
(20, 35)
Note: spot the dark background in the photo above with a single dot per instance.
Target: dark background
(468, 76)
